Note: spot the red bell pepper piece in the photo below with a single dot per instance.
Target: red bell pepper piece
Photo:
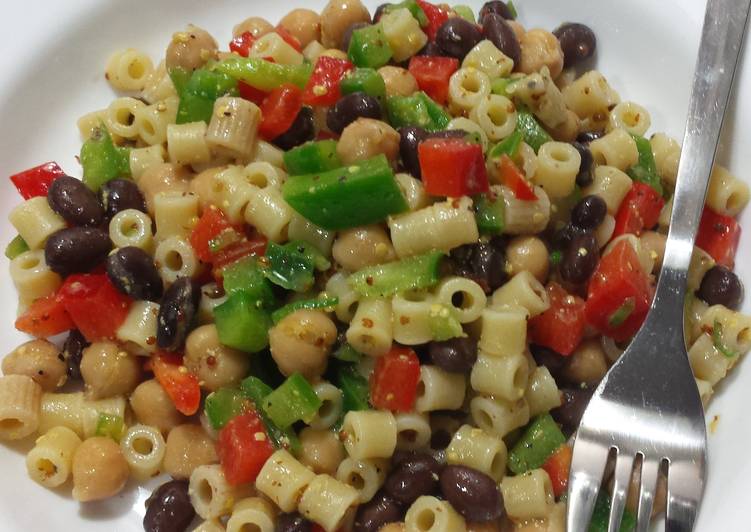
(393, 384)
(181, 385)
(250, 93)
(513, 178)
(242, 44)
(557, 466)
(211, 223)
(323, 85)
(36, 181)
(96, 307)
(433, 74)
(452, 167)
(436, 17)
(639, 210)
(288, 38)
(561, 327)
(719, 236)
(279, 110)
(243, 447)
(619, 294)
(45, 317)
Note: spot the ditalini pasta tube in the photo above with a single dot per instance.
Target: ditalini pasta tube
(19, 406)
(370, 330)
(233, 128)
(49, 462)
(283, 479)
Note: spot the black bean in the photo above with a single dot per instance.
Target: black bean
(351, 107)
(292, 523)
(440, 438)
(169, 508)
(589, 212)
(76, 249)
(75, 202)
(134, 273)
(176, 312)
(573, 403)
(578, 42)
(457, 355)
(585, 137)
(414, 476)
(410, 138)
(580, 259)
(119, 195)
(375, 513)
(302, 130)
(472, 493)
(497, 7)
(457, 37)
(720, 286)
(379, 12)
(545, 356)
(584, 177)
(562, 237)
(498, 31)
(431, 49)
(73, 348)
(483, 263)
(347, 37)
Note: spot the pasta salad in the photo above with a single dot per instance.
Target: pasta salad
(350, 272)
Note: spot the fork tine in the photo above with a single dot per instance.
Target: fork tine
(685, 485)
(587, 466)
(624, 465)
(649, 470)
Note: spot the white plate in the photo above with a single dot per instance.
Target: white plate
(53, 68)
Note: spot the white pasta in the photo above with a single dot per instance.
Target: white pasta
(35, 221)
(504, 330)
(138, 331)
(611, 184)
(590, 95)
(253, 513)
(233, 129)
(504, 377)
(524, 217)
(467, 88)
(496, 115)
(151, 121)
(158, 85)
(439, 390)
(268, 212)
(268, 153)
(300, 228)
(49, 462)
(488, 59)
(366, 476)
(175, 214)
(272, 45)
(631, 117)
(61, 410)
(327, 502)
(186, 143)
(369, 434)
(411, 321)
(471, 298)
(475, 448)
(525, 291)
(89, 123)
(331, 405)
(264, 174)
(210, 299)
(557, 167)
(497, 416)
(429, 514)
(734, 328)
(175, 258)
(542, 392)
(92, 410)
(403, 34)
(338, 286)
(528, 496)
(617, 149)
(143, 448)
(210, 493)
(371, 330)
(412, 431)
(32, 277)
(20, 398)
(540, 94)
(283, 480)
(707, 362)
(119, 118)
(667, 154)
(141, 159)
(131, 228)
(727, 194)
(128, 70)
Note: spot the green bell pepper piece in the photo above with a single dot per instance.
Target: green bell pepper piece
(289, 266)
(102, 161)
(365, 80)
(241, 324)
(416, 110)
(465, 12)
(312, 157)
(541, 438)
(15, 247)
(489, 214)
(534, 134)
(383, 280)
(199, 94)
(443, 324)
(556, 257)
(360, 194)
(354, 387)
(645, 170)
(180, 77)
(508, 146)
(265, 75)
(622, 313)
(499, 86)
(224, 404)
(369, 47)
(294, 400)
(310, 304)
(512, 8)
(257, 390)
(601, 515)
(110, 426)
(413, 7)
(347, 353)
(246, 275)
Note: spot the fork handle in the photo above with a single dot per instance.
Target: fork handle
(720, 46)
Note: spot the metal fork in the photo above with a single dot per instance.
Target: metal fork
(648, 404)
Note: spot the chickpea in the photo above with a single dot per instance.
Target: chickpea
(99, 470)
(541, 48)
(108, 370)
(654, 244)
(362, 246)
(190, 49)
(337, 16)
(567, 130)
(257, 26)
(587, 364)
(153, 407)
(166, 177)
(322, 451)
(215, 364)
(528, 253)
(365, 138)
(188, 446)
(301, 342)
(40, 360)
(399, 81)
(303, 24)
(519, 30)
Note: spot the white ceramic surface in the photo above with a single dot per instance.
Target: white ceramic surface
(52, 72)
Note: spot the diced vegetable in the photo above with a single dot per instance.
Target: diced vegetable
(242, 324)
(318, 303)
(210, 225)
(465, 12)
(289, 266)
(443, 324)
(288, 37)
(181, 385)
(601, 515)
(416, 110)
(256, 390)
(719, 236)
(393, 384)
(541, 438)
(499, 86)
(279, 110)
(245, 275)
(534, 134)
(294, 400)
(237, 250)
(224, 404)
(645, 170)
(513, 178)
(102, 161)
(110, 426)
(365, 80)
(558, 466)
(360, 194)
(347, 353)
(243, 447)
(96, 307)
(199, 94)
(452, 167)
(508, 146)
(323, 85)
(36, 181)
(250, 93)
(561, 327)
(45, 317)
(264, 75)
(312, 157)
(354, 388)
(242, 44)
(489, 214)
(433, 74)
(413, 7)
(15, 247)
(384, 280)
(369, 47)
(639, 210)
(436, 16)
